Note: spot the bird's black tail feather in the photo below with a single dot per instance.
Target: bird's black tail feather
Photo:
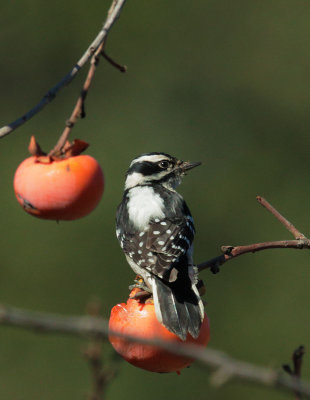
(178, 306)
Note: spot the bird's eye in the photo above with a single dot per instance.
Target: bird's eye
(164, 164)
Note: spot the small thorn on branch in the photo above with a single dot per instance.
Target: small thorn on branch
(82, 106)
(215, 269)
(122, 68)
(69, 124)
(287, 368)
(227, 249)
(295, 372)
(297, 360)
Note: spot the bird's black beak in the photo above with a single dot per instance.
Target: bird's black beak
(187, 165)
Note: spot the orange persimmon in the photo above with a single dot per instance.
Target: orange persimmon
(138, 319)
(62, 189)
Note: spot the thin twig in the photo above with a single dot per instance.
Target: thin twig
(93, 355)
(122, 68)
(212, 359)
(101, 375)
(230, 252)
(113, 15)
(79, 109)
(297, 360)
(288, 225)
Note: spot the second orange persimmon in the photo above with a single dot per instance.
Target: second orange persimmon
(138, 319)
(60, 189)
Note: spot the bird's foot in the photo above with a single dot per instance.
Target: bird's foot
(140, 285)
(141, 295)
(144, 291)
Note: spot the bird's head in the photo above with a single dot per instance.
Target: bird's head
(157, 168)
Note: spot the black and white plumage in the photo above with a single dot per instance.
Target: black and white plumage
(155, 229)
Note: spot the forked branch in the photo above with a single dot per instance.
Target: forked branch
(230, 252)
(112, 16)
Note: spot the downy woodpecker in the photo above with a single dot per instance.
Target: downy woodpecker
(155, 229)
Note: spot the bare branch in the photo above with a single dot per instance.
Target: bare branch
(288, 225)
(229, 252)
(79, 109)
(113, 15)
(235, 251)
(212, 359)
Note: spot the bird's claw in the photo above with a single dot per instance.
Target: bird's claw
(141, 295)
(140, 285)
(144, 292)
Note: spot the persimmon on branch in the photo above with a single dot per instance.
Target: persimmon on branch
(113, 14)
(72, 196)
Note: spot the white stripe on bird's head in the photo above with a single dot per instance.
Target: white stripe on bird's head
(151, 158)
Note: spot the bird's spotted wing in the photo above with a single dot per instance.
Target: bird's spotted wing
(168, 241)
(161, 247)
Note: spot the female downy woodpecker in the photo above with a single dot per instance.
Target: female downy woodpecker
(155, 229)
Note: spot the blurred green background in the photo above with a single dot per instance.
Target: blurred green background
(226, 83)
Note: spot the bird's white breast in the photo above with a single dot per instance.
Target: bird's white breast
(143, 205)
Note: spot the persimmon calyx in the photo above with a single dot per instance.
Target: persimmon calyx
(69, 150)
(34, 148)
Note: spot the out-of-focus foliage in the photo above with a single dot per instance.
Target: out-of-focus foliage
(226, 83)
